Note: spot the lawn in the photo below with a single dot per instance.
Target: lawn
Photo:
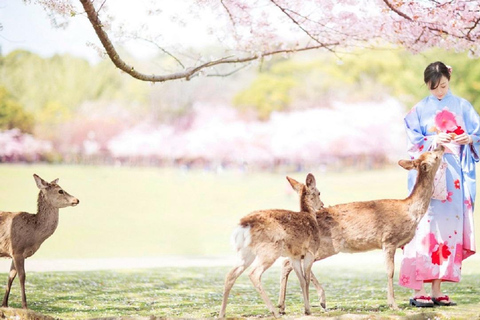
(157, 212)
(138, 212)
(354, 288)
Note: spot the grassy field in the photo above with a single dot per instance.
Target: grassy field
(137, 212)
(353, 290)
(152, 212)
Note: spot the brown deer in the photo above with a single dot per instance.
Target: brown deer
(378, 224)
(263, 236)
(22, 233)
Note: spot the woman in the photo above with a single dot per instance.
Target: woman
(445, 235)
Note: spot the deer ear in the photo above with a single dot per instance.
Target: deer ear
(297, 186)
(41, 184)
(310, 181)
(54, 181)
(406, 164)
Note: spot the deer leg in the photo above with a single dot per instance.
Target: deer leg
(231, 277)
(286, 269)
(19, 261)
(390, 264)
(262, 264)
(320, 291)
(307, 272)
(297, 267)
(11, 277)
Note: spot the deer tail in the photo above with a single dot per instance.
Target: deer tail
(241, 238)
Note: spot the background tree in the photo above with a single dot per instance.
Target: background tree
(12, 113)
(254, 29)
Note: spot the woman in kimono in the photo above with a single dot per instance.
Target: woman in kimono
(445, 235)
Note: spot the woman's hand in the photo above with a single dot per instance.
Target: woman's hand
(442, 138)
(463, 138)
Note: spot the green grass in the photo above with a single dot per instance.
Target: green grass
(154, 212)
(197, 293)
(138, 212)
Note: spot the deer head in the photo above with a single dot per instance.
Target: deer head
(428, 162)
(54, 194)
(308, 192)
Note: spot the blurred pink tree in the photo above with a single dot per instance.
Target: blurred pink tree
(251, 30)
(17, 146)
(219, 135)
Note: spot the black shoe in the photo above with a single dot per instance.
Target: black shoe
(420, 304)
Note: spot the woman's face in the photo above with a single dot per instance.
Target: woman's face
(441, 90)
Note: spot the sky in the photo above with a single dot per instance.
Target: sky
(27, 26)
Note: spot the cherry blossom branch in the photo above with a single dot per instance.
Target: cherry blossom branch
(472, 28)
(228, 12)
(187, 73)
(401, 14)
(162, 49)
(295, 22)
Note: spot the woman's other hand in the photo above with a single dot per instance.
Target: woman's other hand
(463, 138)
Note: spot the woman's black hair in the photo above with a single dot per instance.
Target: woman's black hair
(434, 73)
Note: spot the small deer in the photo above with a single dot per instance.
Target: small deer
(22, 233)
(378, 224)
(263, 236)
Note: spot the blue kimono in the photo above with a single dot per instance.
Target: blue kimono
(445, 235)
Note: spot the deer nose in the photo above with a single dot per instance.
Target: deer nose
(75, 201)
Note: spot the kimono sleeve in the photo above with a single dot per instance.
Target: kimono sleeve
(469, 153)
(472, 124)
(417, 140)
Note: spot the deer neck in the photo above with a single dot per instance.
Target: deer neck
(305, 206)
(421, 194)
(47, 217)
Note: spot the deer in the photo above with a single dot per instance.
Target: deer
(385, 224)
(263, 236)
(22, 233)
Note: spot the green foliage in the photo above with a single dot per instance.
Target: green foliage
(54, 88)
(317, 80)
(12, 113)
(267, 93)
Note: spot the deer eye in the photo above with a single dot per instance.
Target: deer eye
(60, 191)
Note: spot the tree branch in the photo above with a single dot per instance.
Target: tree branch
(163, 50)
(296, 22)
(187, 73)
(401, 14)
(228, 12)
(472, 28)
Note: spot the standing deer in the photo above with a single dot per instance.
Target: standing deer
(263, 236)
(378, 224)
(22, 233)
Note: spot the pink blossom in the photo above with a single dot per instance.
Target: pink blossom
(449, 197)
(445, 120)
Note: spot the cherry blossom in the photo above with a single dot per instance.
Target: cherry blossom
(251, 30)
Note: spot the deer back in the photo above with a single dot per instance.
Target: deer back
(364, 226)
(293, 233)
